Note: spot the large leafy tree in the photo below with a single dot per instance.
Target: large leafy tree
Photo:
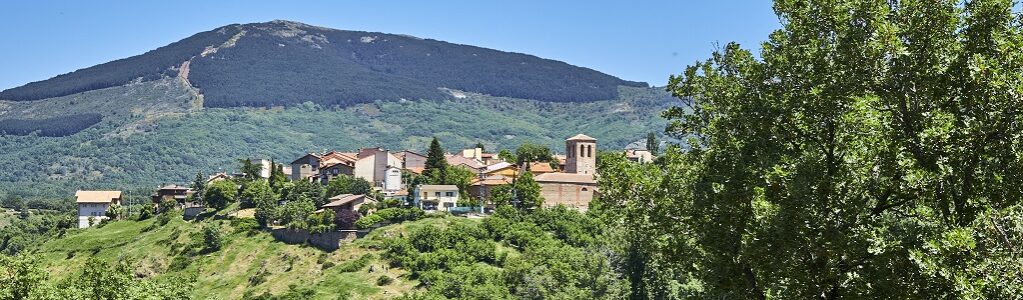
(527, 191)
(871, 150)
(221, 193)
(345, 184)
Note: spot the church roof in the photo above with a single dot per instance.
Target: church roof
(566, 178)
(581, 137)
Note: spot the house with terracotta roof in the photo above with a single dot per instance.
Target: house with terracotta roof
(538, 168)
(347, 202)
(469, 163)
(174, 192)
(305, 167)
(483, 188)
(333, 170)
(639, 155)
(94, 205)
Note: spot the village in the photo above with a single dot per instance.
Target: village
(390, 180)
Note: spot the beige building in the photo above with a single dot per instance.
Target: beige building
(372, 165)
(639, 155)
(575, 186)
(437, 197)
(94, 204)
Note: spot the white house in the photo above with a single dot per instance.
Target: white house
(437, 197)
(392, 179)
(94, 204)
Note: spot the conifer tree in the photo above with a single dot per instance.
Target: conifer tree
(436, 163)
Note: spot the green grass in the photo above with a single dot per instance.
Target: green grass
(226, 273)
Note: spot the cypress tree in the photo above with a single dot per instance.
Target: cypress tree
(436, 164)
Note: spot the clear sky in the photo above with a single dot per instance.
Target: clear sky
(634, 40)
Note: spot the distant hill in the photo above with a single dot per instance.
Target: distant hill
(286, 63)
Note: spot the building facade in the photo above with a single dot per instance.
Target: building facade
(581, 155)
(94, 205)
(437, 197)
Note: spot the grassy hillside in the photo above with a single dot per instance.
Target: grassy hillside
(149, 143)
(250, 261)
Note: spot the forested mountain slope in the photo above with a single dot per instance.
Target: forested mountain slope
(285, 63)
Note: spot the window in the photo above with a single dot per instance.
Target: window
(585, 189)
(449, 194)
(335, 171)
(436, 194)
(449, 204)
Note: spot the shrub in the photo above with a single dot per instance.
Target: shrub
(356, 265)
(368, 221)
(211, 237)
(384, 280)
(146, 212)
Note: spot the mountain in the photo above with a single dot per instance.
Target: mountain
(284, 63)
(279, 89)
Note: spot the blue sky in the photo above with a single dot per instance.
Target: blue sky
(634, 40)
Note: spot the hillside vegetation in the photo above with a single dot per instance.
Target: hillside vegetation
(284, 63)
(542, 254)
(140, 147)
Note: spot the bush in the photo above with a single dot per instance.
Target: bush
(384, 280)
(368, 221)
(356, 265)
(146, 212)
(211, 237)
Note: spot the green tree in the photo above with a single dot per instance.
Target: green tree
(211, 237)
(480, 145)
(652, 144)
(221, 193)
(20, 276)
(263, 199)
(277, 177)
(250, 171)
(502, 195)
(304, 190)
(460, 177)
(199, 188)
(345, 184)
(866, 152)
(436, 163)
(507, 156)
(527, 191)
(529, 152)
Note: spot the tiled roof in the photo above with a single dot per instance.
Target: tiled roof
(96, 196)
(540, 167)
(174, 187)
(565, 177)
(581, 137)
(343, 199)
(437, 187)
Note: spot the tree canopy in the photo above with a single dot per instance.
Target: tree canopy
(871, 150)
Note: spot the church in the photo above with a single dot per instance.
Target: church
(575, 187)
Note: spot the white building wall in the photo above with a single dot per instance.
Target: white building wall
(96, 210)
(392, 181)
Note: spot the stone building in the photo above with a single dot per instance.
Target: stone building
(575, 187)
